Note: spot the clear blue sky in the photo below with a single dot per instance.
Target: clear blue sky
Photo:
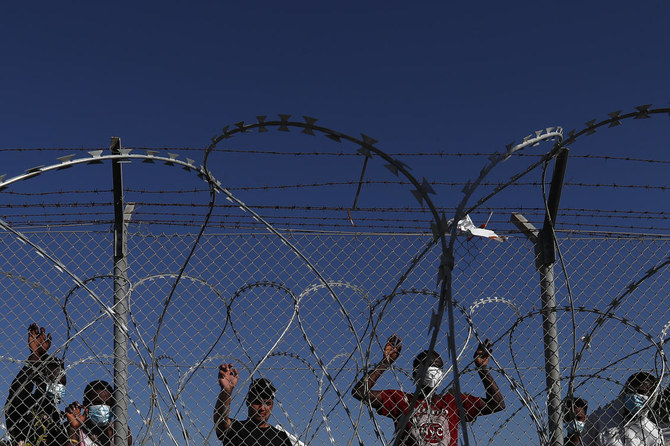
(450, 76)
(435, 77)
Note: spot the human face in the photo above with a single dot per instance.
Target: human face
(55, 374)
(437, 363)
(100, 397)
(646, 388)
(98, 409)
(580, 414)
(260, 410)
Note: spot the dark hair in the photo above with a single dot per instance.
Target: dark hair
(569, 405)
(429, 355)
(94, 386)
(53, 363)
(635, 380)
(260, 388)
(50, 365)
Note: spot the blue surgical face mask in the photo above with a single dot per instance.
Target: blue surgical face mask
(634, 401)
(56, 391)
(101, 414)
(574, 427)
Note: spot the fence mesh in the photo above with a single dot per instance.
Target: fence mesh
(247, 299)
(284, 311)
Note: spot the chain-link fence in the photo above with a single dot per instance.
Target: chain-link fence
(247, 299)
(234, 324)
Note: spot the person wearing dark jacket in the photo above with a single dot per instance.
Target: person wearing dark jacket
(31, 410)
(255, 430)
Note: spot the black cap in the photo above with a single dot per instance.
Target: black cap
(261, 388)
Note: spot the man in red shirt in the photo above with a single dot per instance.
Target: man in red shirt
(434, 420)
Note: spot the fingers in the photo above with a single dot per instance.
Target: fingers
(395, 343)
(392, 348)
(395, 340)
(485, 346)
(33, 332)
(39, 340)
(226, 370)
(228, 377)
(37, 332)
(483, 353)
(75, 414)
(74, 408)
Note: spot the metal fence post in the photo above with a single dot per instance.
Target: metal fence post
(549, 329)
(551, 359)
(120, 409)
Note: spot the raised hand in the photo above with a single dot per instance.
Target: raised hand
(39, 341)
(392, 348)
(76, 415)
(228, 377)
(483, 354)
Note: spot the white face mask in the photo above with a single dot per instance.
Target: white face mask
(57, 391)
(433, 378)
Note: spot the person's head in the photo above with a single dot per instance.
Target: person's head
(54, 370)
(260, 400)
(574, 418)
(641, 383)
(637, 390)
(98, 401)
(52, 376)
(434, 374)
(575, 409)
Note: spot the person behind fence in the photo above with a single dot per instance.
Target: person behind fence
(91, 423)
(575, 410)
(255, 430)
(661, 414)
(31, 410)
(624, 421)
(435, 418)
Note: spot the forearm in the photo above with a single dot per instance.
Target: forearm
(367, 382)
(494, 399)
(73, 435)
(222, 412)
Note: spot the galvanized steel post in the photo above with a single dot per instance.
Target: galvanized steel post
(121, 297)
